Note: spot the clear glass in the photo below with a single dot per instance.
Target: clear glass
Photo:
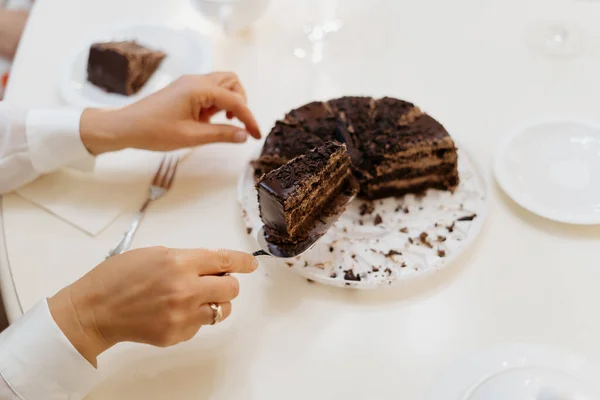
(321, 21)
(557, 39)
(232, 15)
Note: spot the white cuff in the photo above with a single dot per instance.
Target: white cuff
(54, 140)
(38, 362)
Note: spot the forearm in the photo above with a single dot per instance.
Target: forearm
(12, 24)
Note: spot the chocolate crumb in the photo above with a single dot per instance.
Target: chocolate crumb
(345, 230)
(350, 276)
(468, 218)
(248, 230)
(451, 228)
(411, 241)
(310, 281)
(421, 208)
(305, 264)
(289, 264)
(333, 275)
(392, 253)
(436, 225)
(423, 237)
(404, 230)
(441, 253)
(406, 210)
(374, 251)
(441, 238)
(360, 221)
(397, 209)
(375, 269)
(378, 220)
(366, 208)
(353, 256)
(331, 249)
(388, 271)
(403, 265)
(347, 284)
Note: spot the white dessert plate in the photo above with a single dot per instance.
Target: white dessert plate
(386, 242)
(188, 52)
(519, 372)
(552, 169)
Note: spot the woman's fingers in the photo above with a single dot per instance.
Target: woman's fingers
(199, 133)
(234, 104)
(217, 289)
(214, 262)
(206, 314)
(229, 80)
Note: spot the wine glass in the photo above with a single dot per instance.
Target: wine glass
(556, 39)
(322, 21)
(232, 15)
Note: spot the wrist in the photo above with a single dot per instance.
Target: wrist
(74, 314)
(99, 133)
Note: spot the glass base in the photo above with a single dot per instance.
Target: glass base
(559, 40)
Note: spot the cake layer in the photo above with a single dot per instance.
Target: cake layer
(410, 173)
(311, 205)
(317, 224)
(415, 185)
(293, 194)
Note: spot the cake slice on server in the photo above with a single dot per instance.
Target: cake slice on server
(295, 197)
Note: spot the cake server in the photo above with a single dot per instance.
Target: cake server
(321, 227)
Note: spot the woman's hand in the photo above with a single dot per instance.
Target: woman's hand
(156, 295)
(175, 117)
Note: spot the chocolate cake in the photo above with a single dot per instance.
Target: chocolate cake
(394, 147)
(293, 197)
(122, 67)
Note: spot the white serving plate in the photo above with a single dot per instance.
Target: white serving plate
(519, 372)
(188, 52)
(552, 169)
(355, 243)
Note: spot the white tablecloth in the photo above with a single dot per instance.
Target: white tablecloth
(465, 62)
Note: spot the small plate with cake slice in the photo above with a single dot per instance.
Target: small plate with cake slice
(132, 63)
(421, 202)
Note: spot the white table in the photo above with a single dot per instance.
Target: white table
(526, 279)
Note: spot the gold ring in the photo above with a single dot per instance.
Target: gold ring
(217, 313)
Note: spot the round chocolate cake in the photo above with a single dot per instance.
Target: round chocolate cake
(394, 147)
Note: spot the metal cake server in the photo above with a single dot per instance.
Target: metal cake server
(321, 227)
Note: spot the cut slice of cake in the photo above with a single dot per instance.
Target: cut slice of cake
(294, 197)
(122, 67)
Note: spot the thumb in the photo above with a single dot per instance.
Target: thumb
(204, 133)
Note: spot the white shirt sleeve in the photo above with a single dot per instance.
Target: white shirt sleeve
(37, 142)
(37, 361)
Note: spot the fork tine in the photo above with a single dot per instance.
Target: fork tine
(172, 173)
(165, 173)
(157, 176)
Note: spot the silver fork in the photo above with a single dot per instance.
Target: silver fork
(163, 179)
